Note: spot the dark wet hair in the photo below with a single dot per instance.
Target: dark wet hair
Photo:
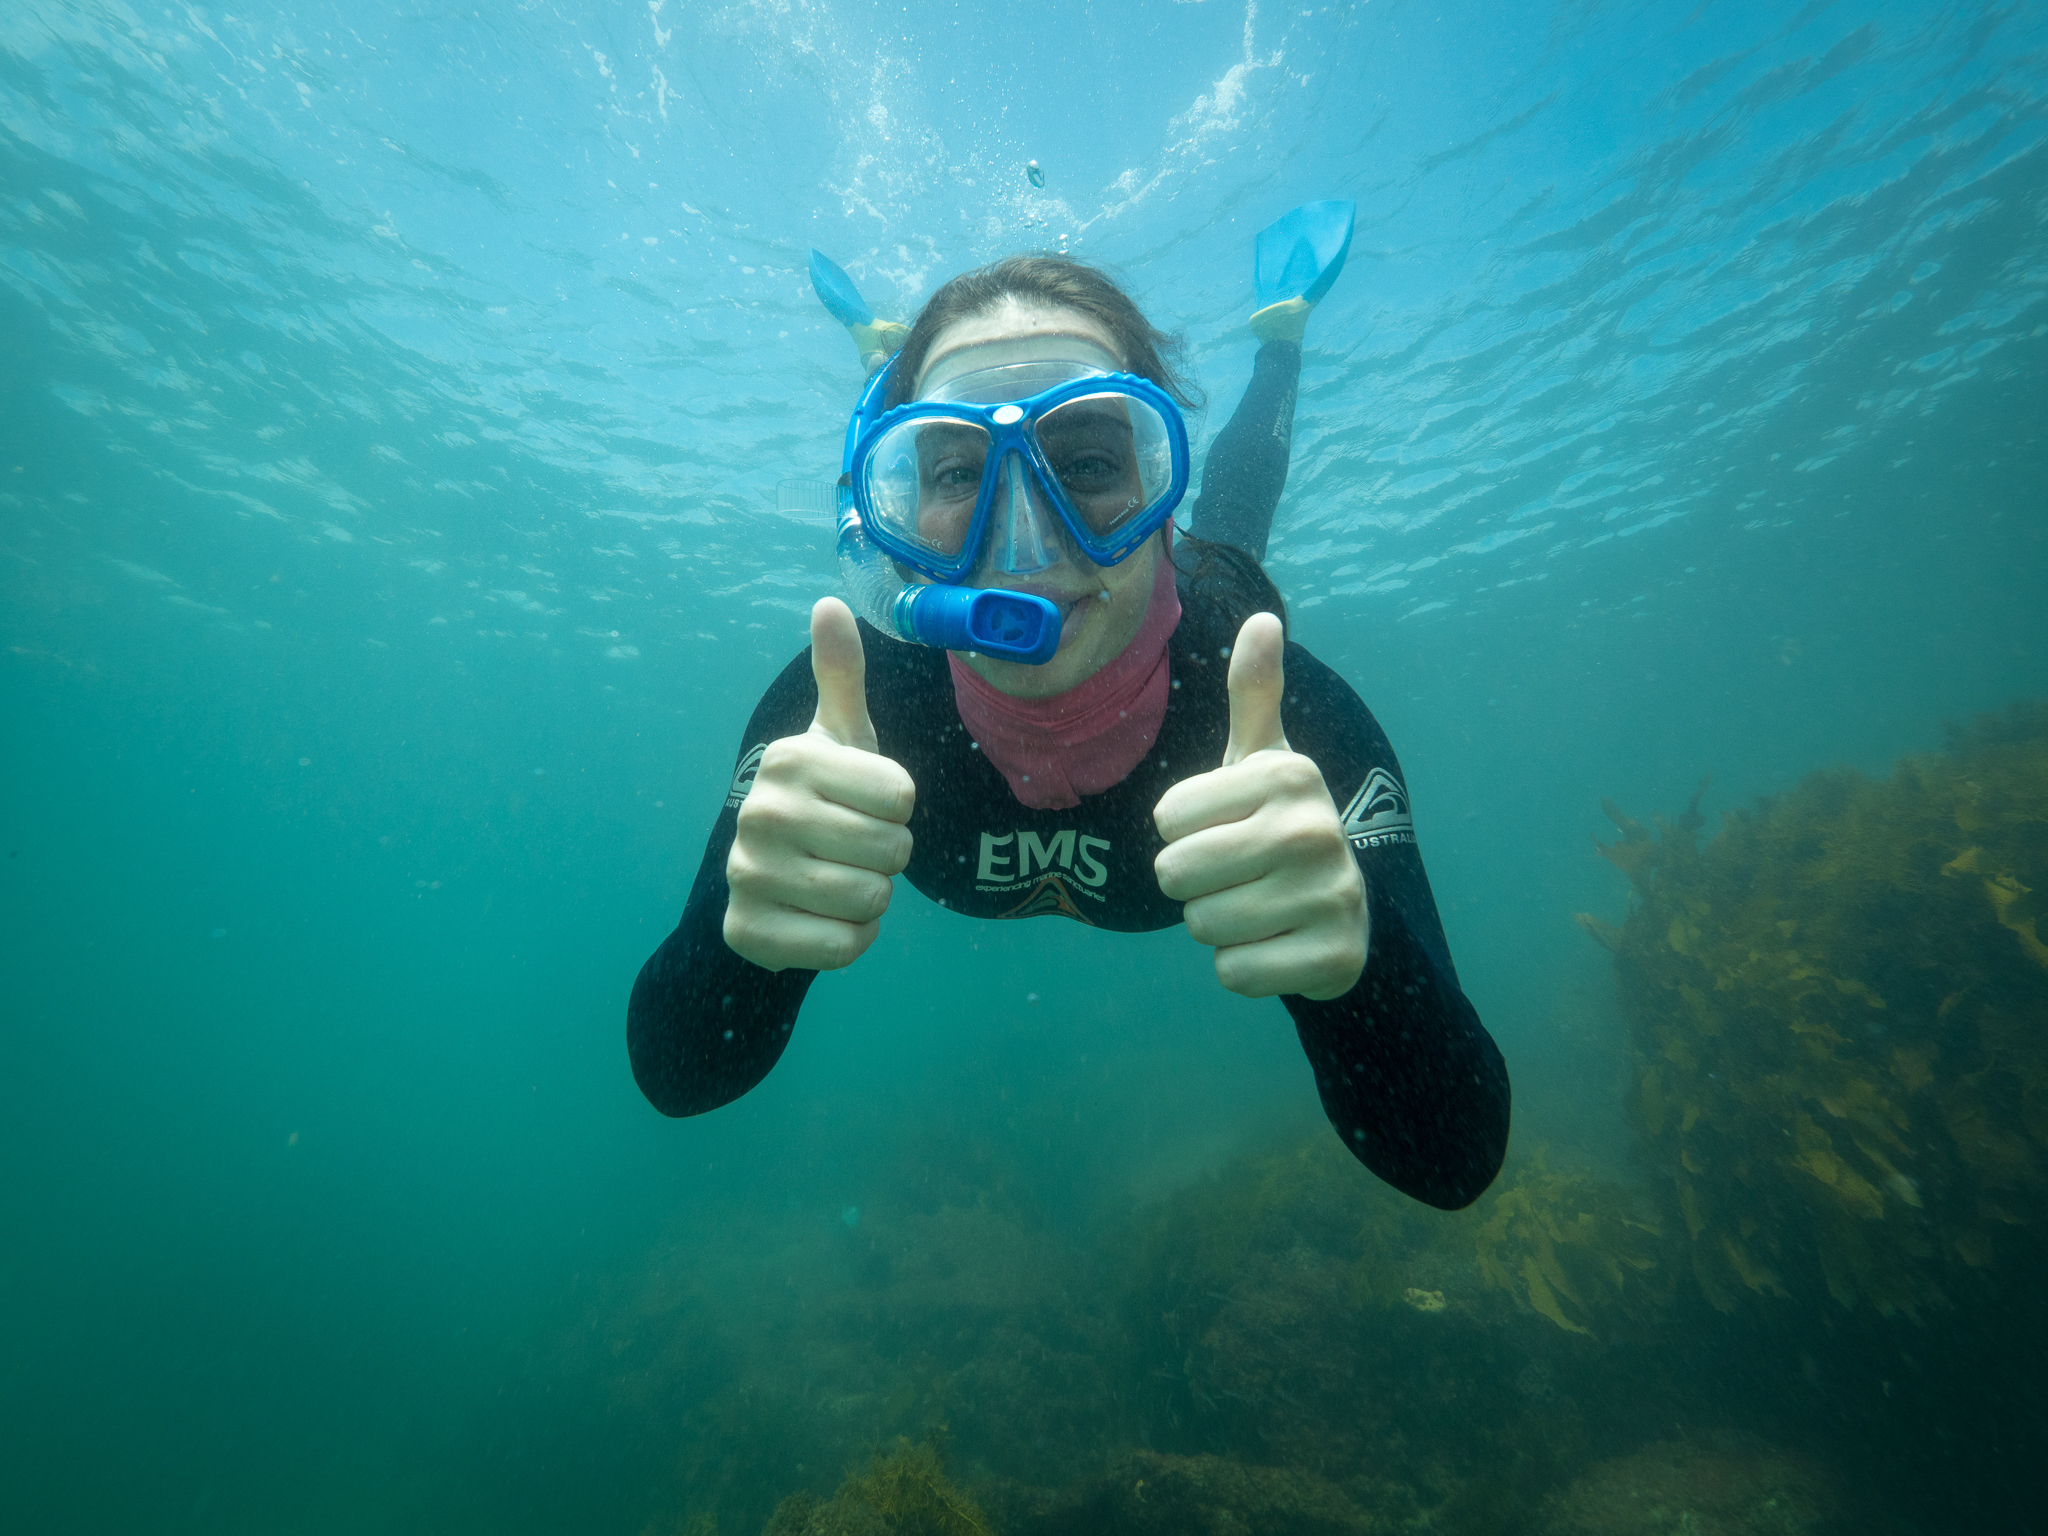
(1147, 351)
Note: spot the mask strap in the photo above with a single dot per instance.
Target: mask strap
(867, 413)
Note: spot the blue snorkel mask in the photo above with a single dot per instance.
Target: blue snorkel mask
(1011, 465)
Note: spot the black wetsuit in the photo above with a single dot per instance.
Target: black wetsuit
(1407, 1074)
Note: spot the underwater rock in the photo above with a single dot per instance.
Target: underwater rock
(1699, 1489)
(1839, 1020)
(801, 1342)
(1263, 1297)
(904, 1493)
(1289, 1311)
(1144, 1492)
(1284, 1345)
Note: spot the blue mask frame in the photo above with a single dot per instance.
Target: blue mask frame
(870, 421)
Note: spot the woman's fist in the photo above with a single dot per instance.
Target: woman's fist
(1256, 850)
(823, 830)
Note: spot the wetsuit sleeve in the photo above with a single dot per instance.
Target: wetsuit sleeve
(1407, 1074)
(1246, 469)
(704, 1026)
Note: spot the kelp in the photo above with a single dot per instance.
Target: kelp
(1838, 1011)
(1572, 1248)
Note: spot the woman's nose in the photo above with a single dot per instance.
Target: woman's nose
(1024, 535)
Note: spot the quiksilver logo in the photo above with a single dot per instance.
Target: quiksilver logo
(1378, 813)
(743, 776)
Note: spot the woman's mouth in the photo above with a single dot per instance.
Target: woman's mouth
(1070, 604)
(1066, 601)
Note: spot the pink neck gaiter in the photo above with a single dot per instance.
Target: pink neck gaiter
(1055, 750)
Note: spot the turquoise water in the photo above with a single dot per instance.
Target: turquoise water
(394, 403)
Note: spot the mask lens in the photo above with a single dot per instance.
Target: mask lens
(923, 478)
(1112, 455)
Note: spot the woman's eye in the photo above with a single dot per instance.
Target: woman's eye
(1087, 469)
(956, 475)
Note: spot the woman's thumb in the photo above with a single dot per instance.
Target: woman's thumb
(1258, 678)
(841, 670)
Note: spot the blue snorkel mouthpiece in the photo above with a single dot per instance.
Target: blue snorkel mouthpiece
(1013, 626)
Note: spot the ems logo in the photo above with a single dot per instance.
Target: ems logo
(1067, 868)
(743, 776)
(1378, 813)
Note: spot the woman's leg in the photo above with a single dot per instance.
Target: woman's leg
(1247, 464)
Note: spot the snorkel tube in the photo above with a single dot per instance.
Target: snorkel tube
(1011, 626)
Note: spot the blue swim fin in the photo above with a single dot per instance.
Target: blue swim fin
(875, 340)
(836, 292)
(1299, 254)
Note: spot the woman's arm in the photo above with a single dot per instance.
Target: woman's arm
(703, 1025)
(1295, 859)
(1407, 1073)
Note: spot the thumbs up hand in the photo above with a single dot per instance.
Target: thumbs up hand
(823, 829)
(1257, 852)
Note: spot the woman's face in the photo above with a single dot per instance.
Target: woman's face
(1101, 607)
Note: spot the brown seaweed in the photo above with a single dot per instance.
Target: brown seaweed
(1839, 1018)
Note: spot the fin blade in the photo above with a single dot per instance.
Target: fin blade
(836, 292)
(1299, 255)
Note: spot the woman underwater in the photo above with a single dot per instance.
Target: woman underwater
(1173, 759)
